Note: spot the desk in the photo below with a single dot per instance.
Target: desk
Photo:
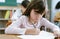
(5, 36)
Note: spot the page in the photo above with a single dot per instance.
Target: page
(42, 35)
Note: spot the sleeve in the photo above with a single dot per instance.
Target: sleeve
(50, 25)
(14, 28)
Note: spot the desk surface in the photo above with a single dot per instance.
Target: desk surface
(4, 36)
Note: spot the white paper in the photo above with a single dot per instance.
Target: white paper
(42, 35)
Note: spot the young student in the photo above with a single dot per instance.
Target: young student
(31, 21)
(21, 9)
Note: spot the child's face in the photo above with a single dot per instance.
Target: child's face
(34, 15)
(23, 9)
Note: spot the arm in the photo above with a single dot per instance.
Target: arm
(14, 28)
(50, 25)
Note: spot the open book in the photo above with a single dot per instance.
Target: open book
(42, 35)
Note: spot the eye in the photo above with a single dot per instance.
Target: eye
(37, 13)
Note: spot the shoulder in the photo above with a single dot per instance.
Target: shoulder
(44, 20)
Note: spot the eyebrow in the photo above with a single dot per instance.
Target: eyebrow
(37, 11)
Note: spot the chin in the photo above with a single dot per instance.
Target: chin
(36, 20)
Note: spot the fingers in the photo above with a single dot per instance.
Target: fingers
(33, 31)
(57, 34)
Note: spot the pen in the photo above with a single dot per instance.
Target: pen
(33, 25)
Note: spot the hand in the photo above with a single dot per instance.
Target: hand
(32, 31)
(57, 33)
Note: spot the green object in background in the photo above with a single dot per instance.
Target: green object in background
(9, 3)
(7, 14)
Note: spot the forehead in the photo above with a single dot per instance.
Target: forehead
(37, 11)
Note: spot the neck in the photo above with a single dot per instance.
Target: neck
(32, 21)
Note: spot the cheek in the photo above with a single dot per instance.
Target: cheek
(38, 17)
(23, 9)
(32, 15)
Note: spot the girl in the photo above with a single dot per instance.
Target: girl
(20, 10)
(31, 21)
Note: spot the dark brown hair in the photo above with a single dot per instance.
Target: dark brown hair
(25, 3)
(57, 5)
(36, 5)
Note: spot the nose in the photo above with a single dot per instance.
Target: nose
(37, 17)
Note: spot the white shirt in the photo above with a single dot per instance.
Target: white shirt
(22, 24)
(16, 15)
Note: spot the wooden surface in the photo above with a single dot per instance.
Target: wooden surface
(5, 36)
